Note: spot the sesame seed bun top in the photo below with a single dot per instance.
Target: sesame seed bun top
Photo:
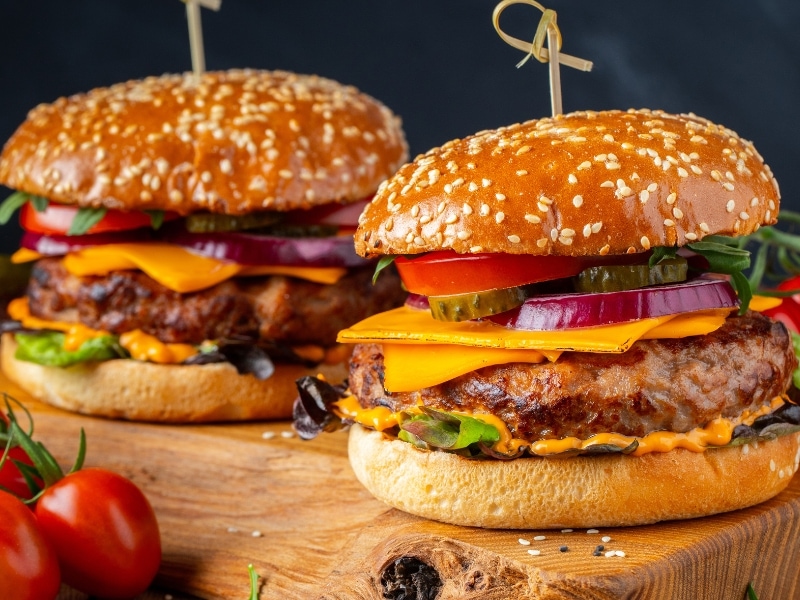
(581, 184)
(235, 142)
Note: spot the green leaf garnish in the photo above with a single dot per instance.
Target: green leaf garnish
(156, 218)
(383, 262)
(39, 204)
(47, 348)
(751, 593)
(11, 204)
(253, 582)
(449, 431)
(85, 219)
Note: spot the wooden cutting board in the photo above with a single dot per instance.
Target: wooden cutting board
(229, 495)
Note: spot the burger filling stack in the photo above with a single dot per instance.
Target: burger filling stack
(193, 242)
(579, 346)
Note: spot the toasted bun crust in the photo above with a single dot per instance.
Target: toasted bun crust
(236, 142)
(140, 391)
(605, 491)
(582, 184)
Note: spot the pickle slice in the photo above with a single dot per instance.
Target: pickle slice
(212, 222)
(617, 278)
(463, 307)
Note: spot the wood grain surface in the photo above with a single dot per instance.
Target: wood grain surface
(230, 495)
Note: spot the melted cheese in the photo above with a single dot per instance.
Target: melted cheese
(141, 346)
(75, 333)
(145, 347)
(420, 351)
(180, 269)
(717, 432)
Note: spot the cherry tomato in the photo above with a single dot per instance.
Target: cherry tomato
(28, 565)
(57, 218)
(104, 532)
(444, 273)
(788, 311)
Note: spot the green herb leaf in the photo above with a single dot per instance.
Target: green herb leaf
(253, 582)
(449, 431)
(85, 219)
(796, 346)
(156, 218)
(47, 348)
(11, 204)
(661, 253)
(751, 593)
(721, 257)
(383, 262)
(742, 286)
(39, 204)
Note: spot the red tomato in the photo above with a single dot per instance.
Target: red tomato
(10, 477)
(57, 218)
(343, 215)
(104, 532)
(28, 565)
(788, 311)
(444, 273)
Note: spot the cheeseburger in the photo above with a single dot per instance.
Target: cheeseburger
(193, 242)
(579, 346)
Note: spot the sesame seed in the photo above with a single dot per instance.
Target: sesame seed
(541, 242)
(592, 531)
(466, 209)
(268, 435)
(691, 236)
(754, 202)
(448, 188)
(500, 197)
(486, 182)
(609, 554)
(485, 210)
(287, 434)
(608, 137)
(605, 539)
(696, 170)
(514, 239)
(607, 184)
(452, 218)
(652, 187)
(619, 553)
(587, 230)
(682, 172)
(611, 165)
(596, 227)
(572, 179)
(499, 217)
(532, 218)
(716, 175)
(285, 174)
(577, 201)
(256, 534)
(524, 542)
(644, 196)
(415, 210)
(463, 235)
(730, 206)
(677, 213)
(645, 242)
(521, 172)
(744, 216)
(672, 198)
(534, 552)
(669, 223)
(728, 186)
(539, 538)
(584, 165)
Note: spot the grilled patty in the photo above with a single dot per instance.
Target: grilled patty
(273, 308)
(668, 384)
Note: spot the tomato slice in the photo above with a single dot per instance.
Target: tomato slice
(57, 218)
(343, 215)
(788, 311)
(445, 272)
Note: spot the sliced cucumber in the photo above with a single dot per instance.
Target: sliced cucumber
(616, 278)
(463, 307)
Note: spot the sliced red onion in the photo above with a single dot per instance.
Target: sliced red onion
(57, 245)
(569, 311)
(253, 249)
(417, 301)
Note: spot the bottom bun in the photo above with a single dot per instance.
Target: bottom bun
(141, 391)
(584, 491)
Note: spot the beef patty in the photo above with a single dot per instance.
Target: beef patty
(667, 384)
(272, 308)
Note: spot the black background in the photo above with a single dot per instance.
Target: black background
(437, 63)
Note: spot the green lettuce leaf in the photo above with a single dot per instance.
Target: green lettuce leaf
(447, 431)
(47, 349)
